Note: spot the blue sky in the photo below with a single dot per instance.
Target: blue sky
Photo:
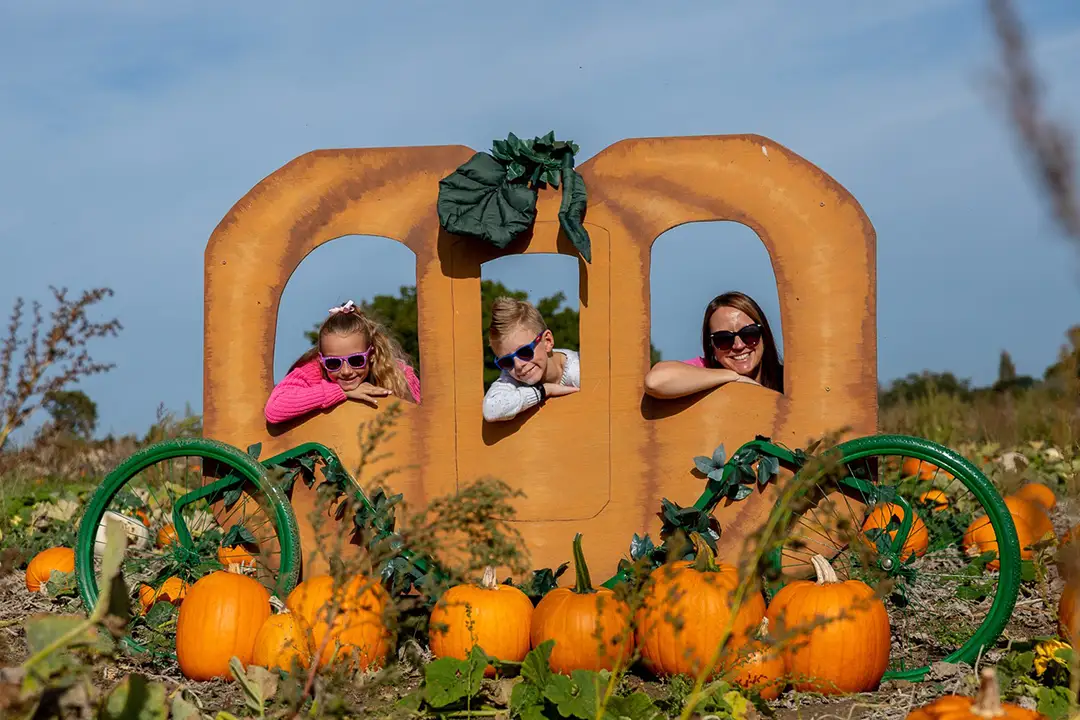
(128, 130)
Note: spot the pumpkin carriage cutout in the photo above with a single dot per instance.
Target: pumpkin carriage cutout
(599, 462)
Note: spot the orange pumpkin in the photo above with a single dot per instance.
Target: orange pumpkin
(844, 654)
(980, 538)
(1069, 613)
(1039, 493)
(936, 499)
(359, 626)
(43, 564)
(918, 539)
(1034, 514)
(173, 590)
(688, 609)
(282, 638)
(220, 617)
(986, 705)
(763, 667)
(501, 618)
(591, 628)
(236, 555)
(167, 535)
(922, 469)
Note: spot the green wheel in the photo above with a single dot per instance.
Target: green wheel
(903, 509)
(190, 507)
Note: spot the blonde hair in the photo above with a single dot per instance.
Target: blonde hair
(385, 357)
(508, 314)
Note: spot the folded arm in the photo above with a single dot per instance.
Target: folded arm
(300, 392)
(674, 379)
(505, 399)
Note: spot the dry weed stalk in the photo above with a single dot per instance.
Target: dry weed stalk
(53, 357)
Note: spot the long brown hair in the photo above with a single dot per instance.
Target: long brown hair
(387, 353)
(772, 370)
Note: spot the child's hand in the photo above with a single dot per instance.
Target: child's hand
(367, 393)
(557, 390)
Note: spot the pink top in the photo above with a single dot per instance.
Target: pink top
(305, 389)
(696, 362)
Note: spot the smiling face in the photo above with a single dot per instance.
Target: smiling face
(532, 371)
(347, 377)
(740, 358)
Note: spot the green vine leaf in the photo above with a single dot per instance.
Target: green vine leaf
(136, 698)
(572, 211)
(254, 450)
(238, 535)
(479, 200)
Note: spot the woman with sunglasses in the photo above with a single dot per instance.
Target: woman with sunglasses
(737, 346)
(354, 359)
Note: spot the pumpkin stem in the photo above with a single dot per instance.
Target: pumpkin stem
(489, 581)
(988, 700)
(825, 572)
(763, 629)
(584, 582)
(704, 560)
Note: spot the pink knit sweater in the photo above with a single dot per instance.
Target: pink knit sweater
(305, 389)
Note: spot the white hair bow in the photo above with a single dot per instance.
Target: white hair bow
(347, 307)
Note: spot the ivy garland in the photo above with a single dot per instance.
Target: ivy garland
(493, 195)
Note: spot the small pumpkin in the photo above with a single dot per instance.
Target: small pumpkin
(1039, 493)
(980, 538)
(501, 618)
(936, 499)
(918, 538)
(1034, 514)
(167, 535)
(846, 654)
(923, 469)
(220, 617)
(591, 628)
(42, 565)
(762, 668)
(282, 638)
(985, 705)
(359, 625)
(1069, 613)
(235, 555)
(686, 611)
(173, 590)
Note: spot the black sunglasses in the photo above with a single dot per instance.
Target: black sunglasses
(724, 340)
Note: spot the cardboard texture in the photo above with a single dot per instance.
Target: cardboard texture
(597, 462)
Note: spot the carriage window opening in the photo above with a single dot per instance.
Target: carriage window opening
(692, 264)
(548, 281)
(378, 274)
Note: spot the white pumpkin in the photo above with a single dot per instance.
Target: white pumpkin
(137, 533)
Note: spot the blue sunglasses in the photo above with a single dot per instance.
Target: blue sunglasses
(525, 352)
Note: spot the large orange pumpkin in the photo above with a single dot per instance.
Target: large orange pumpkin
(1069, 613)
(235, 555)
(1034, 514)
(43, 564)
(935, 498)
(846, 654)
(1039, 493)
(761, 666)
(591, 628)
(359, 624)
(282, 638)
(986, 705)
(918, 539)
(219, 618)
(501, 618)
(980, 538)
(688, 609)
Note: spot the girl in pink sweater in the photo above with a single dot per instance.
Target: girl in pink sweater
(355, 359)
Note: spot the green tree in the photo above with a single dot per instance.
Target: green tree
(400, 315)
(917, 386)
(72, 412)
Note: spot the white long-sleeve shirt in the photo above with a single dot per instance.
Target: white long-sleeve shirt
(507, 397)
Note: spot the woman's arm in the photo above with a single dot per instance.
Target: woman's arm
(300, 392)
(674, 379)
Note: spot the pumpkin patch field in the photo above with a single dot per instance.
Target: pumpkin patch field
(691, 637)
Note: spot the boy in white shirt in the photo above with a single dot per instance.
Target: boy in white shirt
(532, 368)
